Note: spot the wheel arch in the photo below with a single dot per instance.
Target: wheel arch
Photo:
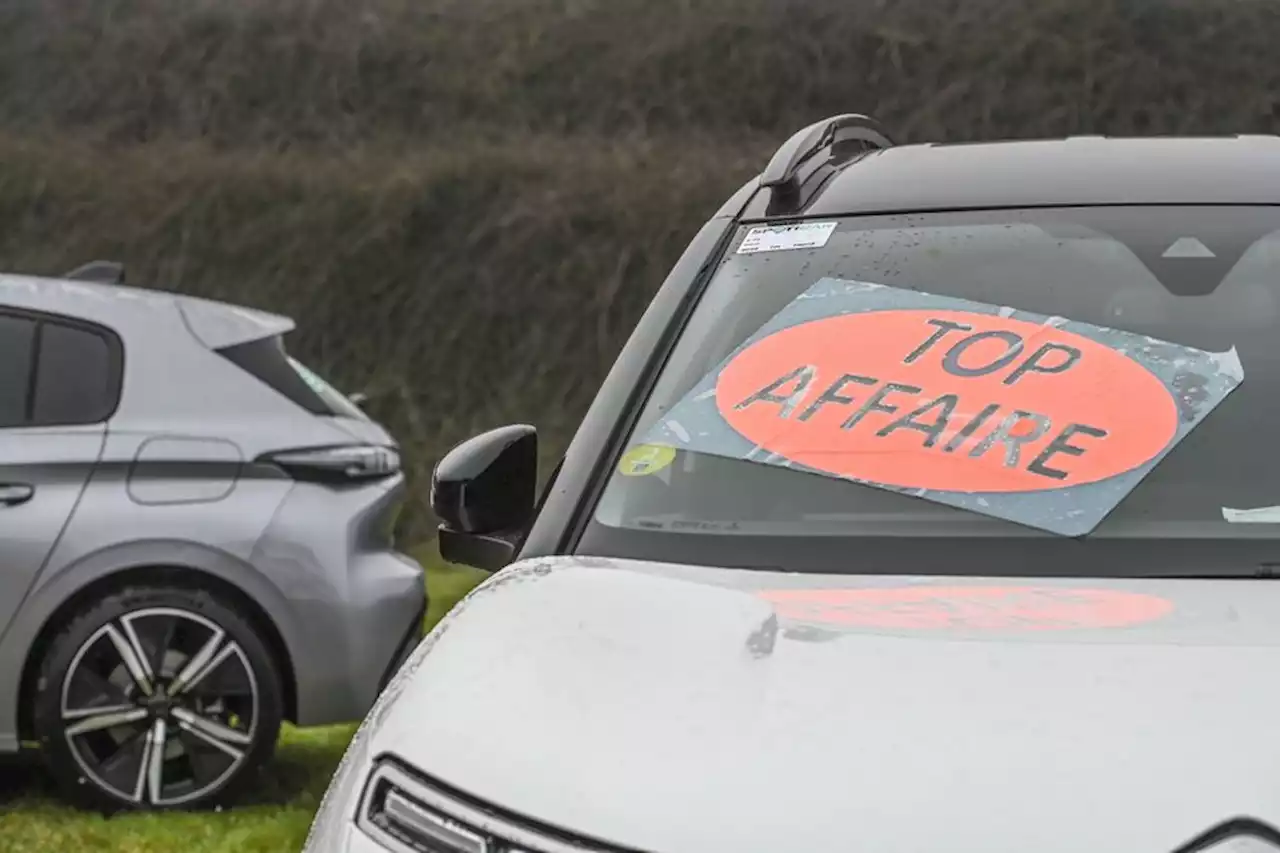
(189, 574)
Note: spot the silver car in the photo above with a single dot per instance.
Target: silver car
(196, 535)
(932, 506)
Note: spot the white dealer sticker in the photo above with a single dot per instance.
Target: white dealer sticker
(1258, 515)
(777, 238)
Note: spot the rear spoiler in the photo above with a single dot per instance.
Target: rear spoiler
(215, 324)
(219, 325)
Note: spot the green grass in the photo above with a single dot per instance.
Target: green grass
(274, 818)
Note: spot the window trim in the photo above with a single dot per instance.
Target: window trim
(115, 364)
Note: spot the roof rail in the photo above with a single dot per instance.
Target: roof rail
(782, 175)
(103, 272)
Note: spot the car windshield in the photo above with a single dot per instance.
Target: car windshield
(1056, 391)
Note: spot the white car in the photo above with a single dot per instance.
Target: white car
(931, 507)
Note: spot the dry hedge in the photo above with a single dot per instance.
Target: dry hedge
(466, 203)
(335, 72)
(460, 288)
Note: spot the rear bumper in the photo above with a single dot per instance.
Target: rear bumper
(352, 600)
(412, 636)
(354, 644)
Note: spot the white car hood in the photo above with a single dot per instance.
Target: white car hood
(671, 709)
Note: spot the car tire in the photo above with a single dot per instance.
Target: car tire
(157, 664)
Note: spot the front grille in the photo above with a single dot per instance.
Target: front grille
(405, 813)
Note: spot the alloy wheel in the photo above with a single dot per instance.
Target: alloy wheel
(159, 707)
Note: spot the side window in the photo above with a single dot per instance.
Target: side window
(55, 374)
(74, 373)
(17, 334)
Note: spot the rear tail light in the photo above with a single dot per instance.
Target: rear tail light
(345, 464)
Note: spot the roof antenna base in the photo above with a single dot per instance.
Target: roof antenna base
(782, 175)
(101, 272)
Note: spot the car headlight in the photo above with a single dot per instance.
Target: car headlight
(334, 819)
(404, 811)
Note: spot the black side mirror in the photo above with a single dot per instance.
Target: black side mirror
(484, 492)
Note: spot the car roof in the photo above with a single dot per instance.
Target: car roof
(1081, 170)
(132, 310)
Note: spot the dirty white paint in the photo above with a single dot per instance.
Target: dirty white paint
(651, 706)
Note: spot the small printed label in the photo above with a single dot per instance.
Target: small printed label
(778, 238)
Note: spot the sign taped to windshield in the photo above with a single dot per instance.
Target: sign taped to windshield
(1038, 420)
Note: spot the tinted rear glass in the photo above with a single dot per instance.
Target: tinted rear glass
(267, 360)
(57, 372)
(16, 336)
(74, 380)
(1204, 280)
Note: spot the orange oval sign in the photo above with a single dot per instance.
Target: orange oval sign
(947, 400)
(979, 608)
